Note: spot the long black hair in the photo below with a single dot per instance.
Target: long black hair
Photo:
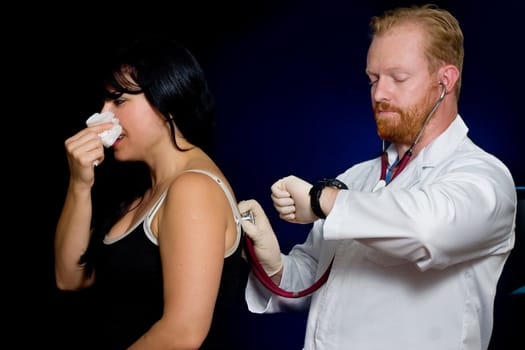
(173, 82)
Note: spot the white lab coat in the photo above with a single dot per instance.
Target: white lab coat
(416, 263)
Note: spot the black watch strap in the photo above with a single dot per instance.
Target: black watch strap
(315, 194)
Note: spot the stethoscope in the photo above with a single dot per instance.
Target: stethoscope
(266, 280)
(386, 176)
(388, 173)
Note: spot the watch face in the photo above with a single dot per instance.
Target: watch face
(315, 194)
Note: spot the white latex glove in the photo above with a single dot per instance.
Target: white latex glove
(108, 137)
(291, 198)
(261, 233)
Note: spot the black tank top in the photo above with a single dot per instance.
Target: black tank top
(130, 292)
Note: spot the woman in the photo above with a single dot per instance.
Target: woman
(167, 267)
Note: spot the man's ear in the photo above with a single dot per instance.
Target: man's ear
(448, 77)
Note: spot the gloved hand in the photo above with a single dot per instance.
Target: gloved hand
(291, 198)
(261, 233)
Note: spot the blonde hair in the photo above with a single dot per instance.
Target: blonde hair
(445, 38)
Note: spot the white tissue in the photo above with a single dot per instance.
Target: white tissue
(108, 137)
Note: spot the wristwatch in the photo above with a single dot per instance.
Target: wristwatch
(315, 193)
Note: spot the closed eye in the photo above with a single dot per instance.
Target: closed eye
(119, 101)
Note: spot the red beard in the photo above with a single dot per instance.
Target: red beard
(403, 127)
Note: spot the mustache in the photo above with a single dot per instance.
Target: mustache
(385, 106)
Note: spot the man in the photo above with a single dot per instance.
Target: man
(416, 239)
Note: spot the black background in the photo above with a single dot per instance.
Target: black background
(292, 97)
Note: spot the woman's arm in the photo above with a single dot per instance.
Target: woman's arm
(73, 229)
(192, 227)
